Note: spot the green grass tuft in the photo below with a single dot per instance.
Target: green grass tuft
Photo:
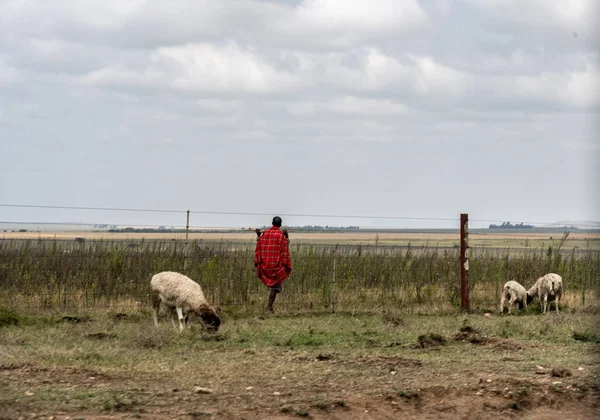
(8, 317)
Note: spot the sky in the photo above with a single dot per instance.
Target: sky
(407, 113)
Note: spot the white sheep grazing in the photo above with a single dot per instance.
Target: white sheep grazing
(182, 294)
(547, 288)
(516, 294)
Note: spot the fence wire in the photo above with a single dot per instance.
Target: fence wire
(68, 275)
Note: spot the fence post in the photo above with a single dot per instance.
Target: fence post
(186, 250)
(333, 283)
(464, 261)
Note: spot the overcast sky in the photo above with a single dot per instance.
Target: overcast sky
(381, 108)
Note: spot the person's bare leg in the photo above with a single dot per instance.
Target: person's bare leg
(272, 296)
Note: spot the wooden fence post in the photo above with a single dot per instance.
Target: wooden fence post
(464, 261)
(186, 250)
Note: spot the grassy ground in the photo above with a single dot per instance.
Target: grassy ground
(117, 365)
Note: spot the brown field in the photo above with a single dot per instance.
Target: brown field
(342, 237)
(582, 241)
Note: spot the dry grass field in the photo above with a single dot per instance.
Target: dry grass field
(580, 241)
(77, 341)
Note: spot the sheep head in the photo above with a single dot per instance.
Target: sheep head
(529, 298)
(210, 318)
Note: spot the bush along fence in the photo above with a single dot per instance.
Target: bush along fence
(54, 275)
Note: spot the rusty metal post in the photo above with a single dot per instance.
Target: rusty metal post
(464, 261)
(186, 250)
(333, 283)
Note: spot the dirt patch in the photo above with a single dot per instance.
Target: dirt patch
(470, 335)
(154, 374)
(76, 319)
(560, 372)
(430, 340)
(100, 335)
(148, 397)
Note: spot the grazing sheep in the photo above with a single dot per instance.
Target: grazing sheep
(182, 294)
(547, 288)
(516, 294)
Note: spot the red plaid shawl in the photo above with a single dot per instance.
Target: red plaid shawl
(272, 257)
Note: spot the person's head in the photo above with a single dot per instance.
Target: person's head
(277, 221)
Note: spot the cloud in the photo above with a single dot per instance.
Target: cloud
(352, 105)
(8, 74)
(563, 21)
(197, 67)
(230, 68)
(344, 24)
(461, 86)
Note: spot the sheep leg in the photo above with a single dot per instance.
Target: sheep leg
(181, 319)
(556, 303)
(502, 303)
(172, 317)
(544, 304)
(512, 302)
(155, 308)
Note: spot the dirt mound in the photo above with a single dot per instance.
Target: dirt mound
(431, 340)
(503, 344)
(470, 335)
(76, 319)
(561, 372)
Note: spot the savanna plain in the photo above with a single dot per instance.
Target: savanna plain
(362, 331)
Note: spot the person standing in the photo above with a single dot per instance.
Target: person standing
(272, 259)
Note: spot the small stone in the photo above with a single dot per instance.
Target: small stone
(29, 393)
(580, 368)
(249, 388)
(201, 390)
(487, 315)
(284, 378)
(393, 372)
(276, 393)
(488, 381)
(480, 392)
(92, 377)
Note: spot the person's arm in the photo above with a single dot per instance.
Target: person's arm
(257, 255)
(285, 254)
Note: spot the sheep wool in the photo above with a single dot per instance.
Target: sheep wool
(181, 294)
(547, 288)
(516, 295)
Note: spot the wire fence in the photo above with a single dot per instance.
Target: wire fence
(91, 272)
(448, 220)
(72, 276)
